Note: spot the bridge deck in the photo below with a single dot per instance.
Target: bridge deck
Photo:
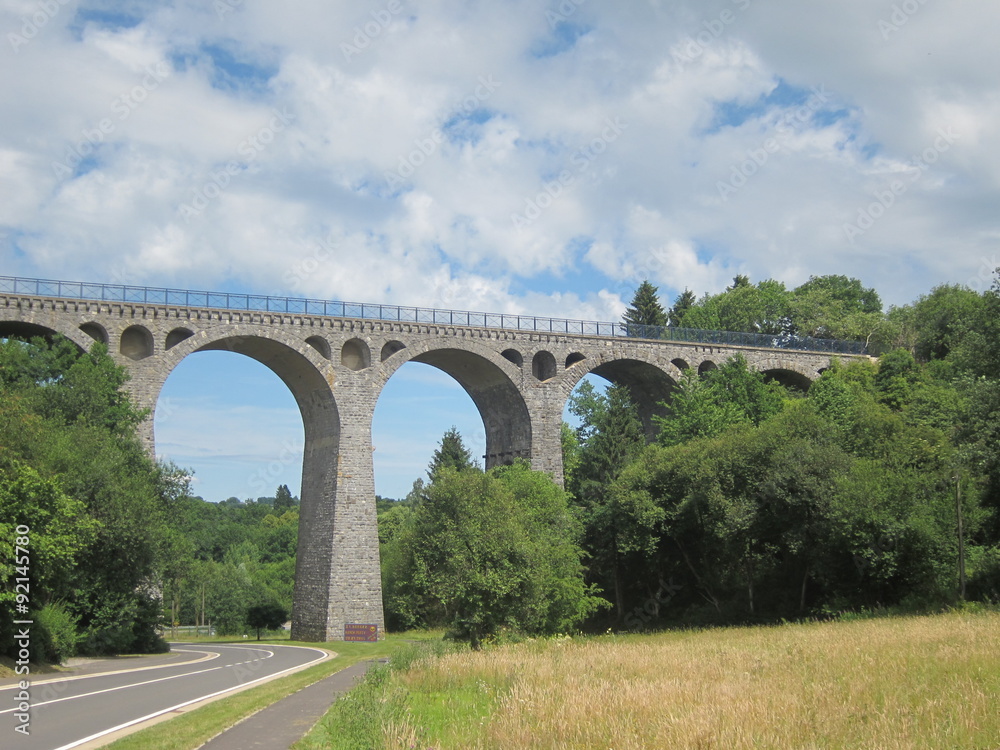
(99, 292)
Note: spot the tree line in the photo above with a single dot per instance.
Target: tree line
(758, 502)
(117, 549)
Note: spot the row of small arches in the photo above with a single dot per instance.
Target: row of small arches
(356, 355)
(137, 343)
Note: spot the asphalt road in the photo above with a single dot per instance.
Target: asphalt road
(108, 696)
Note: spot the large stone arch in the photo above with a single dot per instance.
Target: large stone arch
(493, 383)
(27, 329)
(648, 384)
(297, 365)
(337, 564)
(791, 373)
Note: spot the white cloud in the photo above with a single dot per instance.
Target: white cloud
(689, 84)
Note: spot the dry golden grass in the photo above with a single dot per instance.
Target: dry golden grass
(921, 682)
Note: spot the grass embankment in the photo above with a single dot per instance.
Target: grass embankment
(914, 682)
(190, 730)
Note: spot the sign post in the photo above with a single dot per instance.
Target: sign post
(363, 633)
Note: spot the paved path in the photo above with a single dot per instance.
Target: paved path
(284, 723)
(111, 697)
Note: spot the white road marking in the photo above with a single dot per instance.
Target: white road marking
(209, 656)
(77, 743)
(114, 689)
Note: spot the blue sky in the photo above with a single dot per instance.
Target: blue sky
(532, 156)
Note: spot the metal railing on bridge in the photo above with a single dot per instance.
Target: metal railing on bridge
(397, 313)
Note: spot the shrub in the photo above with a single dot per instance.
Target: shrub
(53, 635)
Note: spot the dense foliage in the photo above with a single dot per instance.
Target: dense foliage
(74, 473)
(481, 553)
(756, 502)
(232, 561)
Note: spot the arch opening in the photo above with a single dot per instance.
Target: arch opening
(356, 355)
(416, 406)
(136, 343)
(543, 366)
(495, 426)
(96, 331)
(176, 336)
(648, 386)
(321, 345)
(790, 379)
(573, 359)
(15, 329)
(706, 367)
(514, 356)
(503, 411)
(390, 348)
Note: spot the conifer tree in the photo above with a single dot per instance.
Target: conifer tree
(451, 453)
(684, 302)
(646, 309)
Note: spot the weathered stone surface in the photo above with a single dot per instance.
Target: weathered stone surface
(336, 369)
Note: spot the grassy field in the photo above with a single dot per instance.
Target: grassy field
(914, 682)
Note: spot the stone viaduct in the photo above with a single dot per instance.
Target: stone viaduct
(335, 359)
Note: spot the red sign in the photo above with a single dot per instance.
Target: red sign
(366, 633)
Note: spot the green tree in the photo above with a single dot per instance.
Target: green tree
(610, 438)
(451, 453)
(645, 309)
(764, 308)
(266, 617)
(729, 395)
(68, 418)
(684, 302)
(938, 323)
(283, 499)
(897, 373)
(838, 307)
(489, 552)
(740, 281)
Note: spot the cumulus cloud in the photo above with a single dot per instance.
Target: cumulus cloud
(531, 156)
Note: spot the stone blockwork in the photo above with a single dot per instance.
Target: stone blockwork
(336, 369)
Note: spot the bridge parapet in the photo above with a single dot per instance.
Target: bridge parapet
(300, 306)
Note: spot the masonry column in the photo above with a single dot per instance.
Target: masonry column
(545, 402)
(317, 517)
(354, 589)
(146, 379)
